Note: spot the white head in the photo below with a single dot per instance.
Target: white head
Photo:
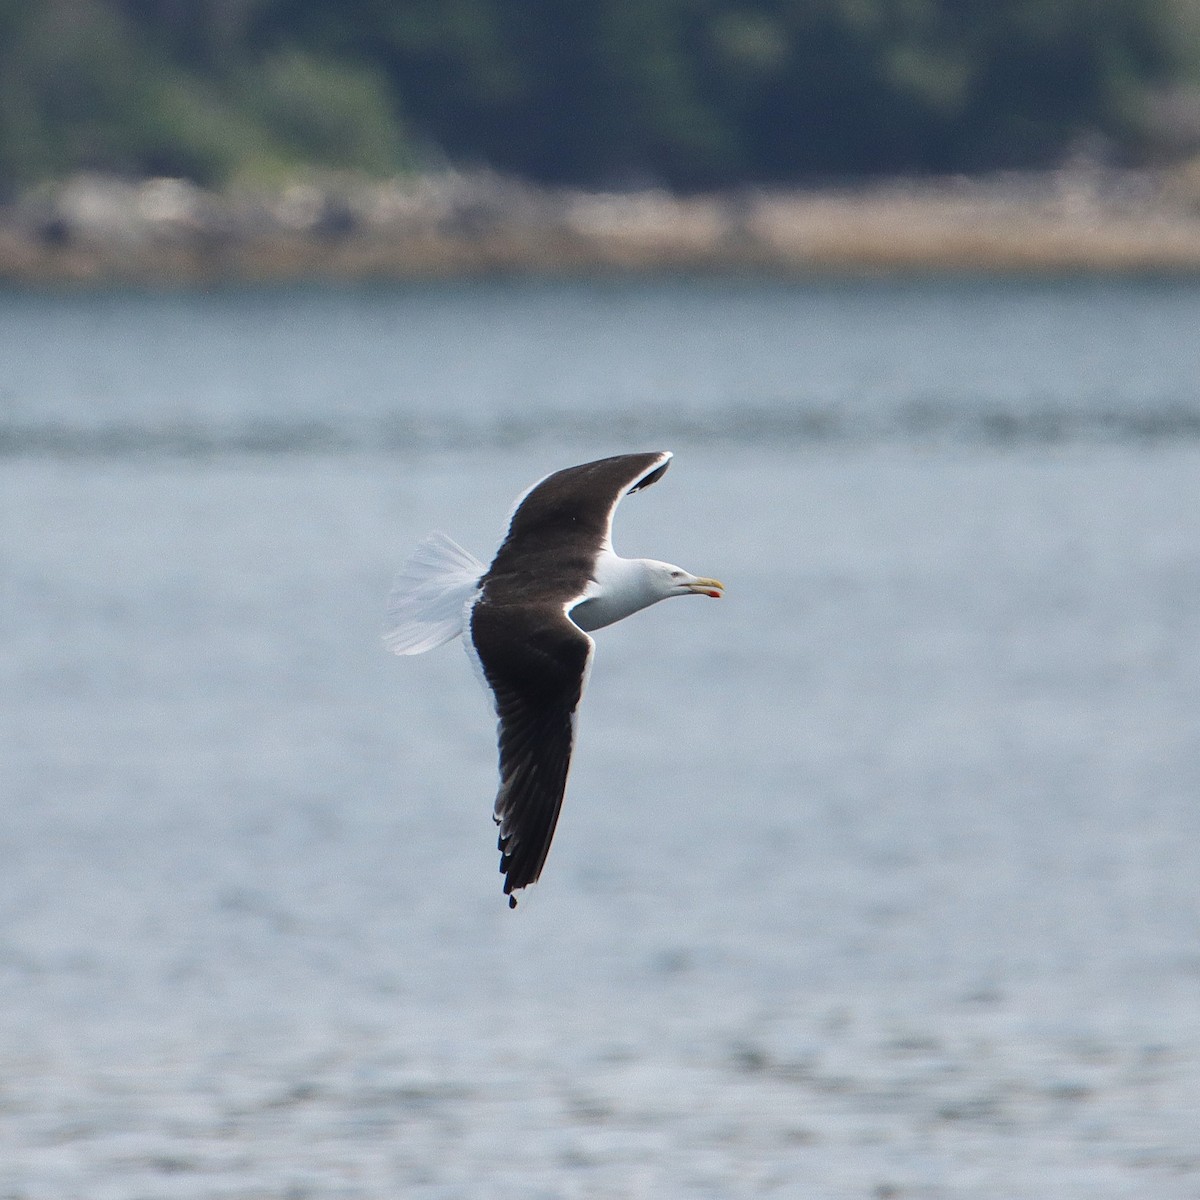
(665, 579)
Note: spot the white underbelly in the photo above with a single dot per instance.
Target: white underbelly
(597, 611)
(617, 591)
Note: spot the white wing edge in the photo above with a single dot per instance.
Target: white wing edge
(429, 596)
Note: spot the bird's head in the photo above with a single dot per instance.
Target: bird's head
(671, 580)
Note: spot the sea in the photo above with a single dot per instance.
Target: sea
(878, 878)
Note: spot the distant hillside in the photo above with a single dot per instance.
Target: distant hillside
(683, 93)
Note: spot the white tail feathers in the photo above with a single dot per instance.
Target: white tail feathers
(429, 596)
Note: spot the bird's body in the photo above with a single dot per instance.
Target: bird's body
(527, 618)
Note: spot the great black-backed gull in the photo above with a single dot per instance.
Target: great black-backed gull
(554, 579)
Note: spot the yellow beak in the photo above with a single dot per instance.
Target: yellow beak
(707, 587)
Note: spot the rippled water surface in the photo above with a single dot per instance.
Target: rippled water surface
(876, 879)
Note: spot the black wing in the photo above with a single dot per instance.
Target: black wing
(561, 523)
(535, 661)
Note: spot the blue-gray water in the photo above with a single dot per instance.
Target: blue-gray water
(877, 878)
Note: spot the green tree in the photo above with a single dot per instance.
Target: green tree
(693, 93)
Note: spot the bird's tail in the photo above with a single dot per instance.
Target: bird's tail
(429, 596)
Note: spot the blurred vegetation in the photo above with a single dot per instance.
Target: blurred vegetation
(690, 93)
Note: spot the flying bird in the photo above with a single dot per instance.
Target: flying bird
(527, 618)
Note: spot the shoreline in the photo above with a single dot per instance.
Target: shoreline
(94, 230)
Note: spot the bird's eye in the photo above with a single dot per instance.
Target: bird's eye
(676, 574)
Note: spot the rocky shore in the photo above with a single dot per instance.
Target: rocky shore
(100, 230)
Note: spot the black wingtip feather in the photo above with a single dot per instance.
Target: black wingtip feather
(653, 477)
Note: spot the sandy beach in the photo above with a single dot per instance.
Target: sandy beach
(93, 229)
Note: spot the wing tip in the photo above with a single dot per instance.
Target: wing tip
(519, 871)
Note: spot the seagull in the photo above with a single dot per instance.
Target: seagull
(527, 620)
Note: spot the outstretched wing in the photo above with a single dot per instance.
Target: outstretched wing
(562, 522)
(535, 660)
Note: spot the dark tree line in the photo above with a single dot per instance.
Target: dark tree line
(690, 93)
